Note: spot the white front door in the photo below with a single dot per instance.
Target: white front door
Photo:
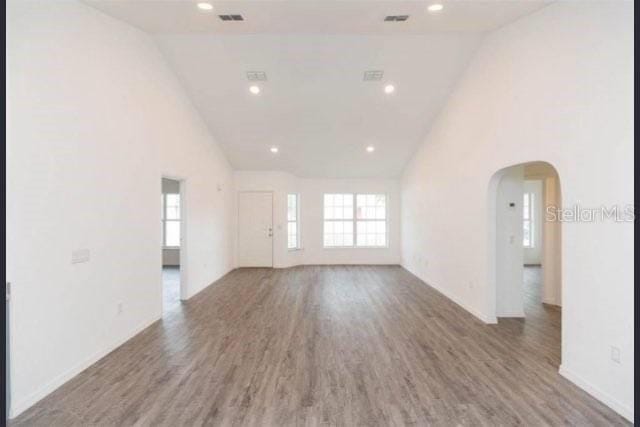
(255, 229)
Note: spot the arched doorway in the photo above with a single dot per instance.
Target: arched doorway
(525, 246)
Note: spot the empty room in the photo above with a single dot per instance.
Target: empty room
(319, 212)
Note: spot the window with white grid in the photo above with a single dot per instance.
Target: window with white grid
(338, 220)
(371, 220)
(360, 224)
(171, 220)
(293, 222)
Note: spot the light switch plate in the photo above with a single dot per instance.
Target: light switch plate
(615, 354)
(80, 255)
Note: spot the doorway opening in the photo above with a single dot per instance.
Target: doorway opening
(525, 248)
(172, 244)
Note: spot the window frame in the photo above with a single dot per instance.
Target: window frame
(354, 220)
(298, 245)
(531, 220)
(165, 220)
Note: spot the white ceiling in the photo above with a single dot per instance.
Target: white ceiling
(315, 106)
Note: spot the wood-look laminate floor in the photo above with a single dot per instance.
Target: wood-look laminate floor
(170, 289)
(329, 345)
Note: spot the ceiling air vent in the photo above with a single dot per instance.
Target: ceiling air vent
(231, 17)
(256, 76)
(396, 18)
(373, 75)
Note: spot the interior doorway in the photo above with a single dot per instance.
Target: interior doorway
(172, 243)
(525, 246)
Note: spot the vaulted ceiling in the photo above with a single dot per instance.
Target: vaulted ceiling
(314, 106)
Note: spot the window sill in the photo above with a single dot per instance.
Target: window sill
(171, 247)
(294, 249)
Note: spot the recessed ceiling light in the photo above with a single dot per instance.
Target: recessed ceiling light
(205, 6)
(436, 7)
(274, 150)
(254, 89)
(371, 149)
(389, 89)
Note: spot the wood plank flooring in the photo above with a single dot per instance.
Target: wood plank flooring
(170, 288)
(329, 345)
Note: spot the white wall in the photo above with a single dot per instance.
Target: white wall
(533, 255)
(311, 193)
(94, 119)
(557, 86)
(509, 249)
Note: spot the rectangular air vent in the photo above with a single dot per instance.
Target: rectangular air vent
(256, 76)
(231, 17)
(396, 18)
(373, 75)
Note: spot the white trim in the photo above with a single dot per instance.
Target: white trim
(296, 222)
(211, 282)
(33, 398)
(60, 380)
(455, 299)
(184, 283)
(515, 314)
(530, 220)
(182, 186)
(607, 399)
(355, 220)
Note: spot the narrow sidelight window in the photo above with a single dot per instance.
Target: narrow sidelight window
(293, 221)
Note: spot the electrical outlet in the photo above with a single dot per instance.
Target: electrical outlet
(120, 308)
(615, 354)
(426, 262)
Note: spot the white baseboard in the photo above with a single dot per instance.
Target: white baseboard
(515, 314)
(24, 404)
(329, 264)
(19, 407)
(611, 402)
(191, 295)
(551, 302)
(456, 299)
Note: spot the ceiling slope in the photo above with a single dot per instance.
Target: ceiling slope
(315, 106)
